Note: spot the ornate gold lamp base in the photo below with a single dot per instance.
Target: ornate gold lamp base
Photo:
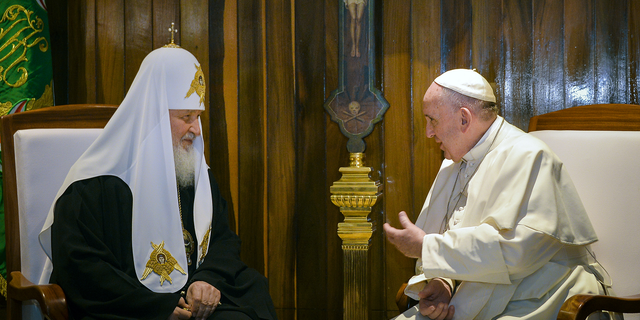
(355, 193)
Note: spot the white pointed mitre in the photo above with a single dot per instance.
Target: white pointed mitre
(467, 82)
(136, 146)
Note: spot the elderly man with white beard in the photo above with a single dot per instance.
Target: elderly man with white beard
(139, 229)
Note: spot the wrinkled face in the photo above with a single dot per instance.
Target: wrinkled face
(185, 127)
(443, 123)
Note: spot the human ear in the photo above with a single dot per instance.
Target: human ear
(465, 119)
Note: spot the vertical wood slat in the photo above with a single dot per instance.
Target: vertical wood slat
(456, 34)
(138, 36)
(221, 107)
(251, 153)
(611, 52)
(59, 36)
(281, 160)
(633, 39)
(110, 45)
(82, 44)
(486, 34)
(426, 43)
(517, 85)
(230, 87)
(311, 248)
(397, 139)
(548, 57)
(336, 157)
(165, 12)
(579, 55)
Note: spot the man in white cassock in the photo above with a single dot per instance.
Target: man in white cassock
(502, 233)
(139, 229)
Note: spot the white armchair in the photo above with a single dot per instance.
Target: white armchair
(38, 148)
(600, 146)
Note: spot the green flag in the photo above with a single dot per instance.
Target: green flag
(26, 75)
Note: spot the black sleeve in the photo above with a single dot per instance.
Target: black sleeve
(92, 255)
(245, 288)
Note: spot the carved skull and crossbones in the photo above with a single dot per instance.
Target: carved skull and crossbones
(354, 112)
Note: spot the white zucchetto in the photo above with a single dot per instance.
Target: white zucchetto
(467, 82)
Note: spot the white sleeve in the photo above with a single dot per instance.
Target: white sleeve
(482, 254)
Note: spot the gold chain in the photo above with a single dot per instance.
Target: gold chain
(186, 235)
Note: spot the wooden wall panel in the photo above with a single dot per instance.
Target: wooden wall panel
(82, 44)
(110, 40)
(633, 39)
(516, 86)
(59, 36)
(611, 52)
(426, 56)
(397, 138)
(165, 12)
(311, 220)
(138, 36)
(548, 56)
(456, 37)
(579, 52)
(223, 108)
(486, 34)
(251, 117)
(281, 157)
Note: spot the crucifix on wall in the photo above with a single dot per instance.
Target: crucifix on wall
(356, 105)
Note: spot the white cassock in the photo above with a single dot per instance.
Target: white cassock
(507, 225)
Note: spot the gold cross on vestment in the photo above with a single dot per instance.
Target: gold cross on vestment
(173, 30)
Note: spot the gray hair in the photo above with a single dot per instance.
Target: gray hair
(486, 110)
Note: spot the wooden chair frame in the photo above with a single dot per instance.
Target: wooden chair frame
(50, 297)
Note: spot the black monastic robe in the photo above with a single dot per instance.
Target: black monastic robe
(93, 258)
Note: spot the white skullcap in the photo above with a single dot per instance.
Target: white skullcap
(467, 82)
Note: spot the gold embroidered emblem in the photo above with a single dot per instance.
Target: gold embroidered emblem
(162, 263)
(197, 84)
(204, 245)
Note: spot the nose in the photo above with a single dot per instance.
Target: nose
(195, 127)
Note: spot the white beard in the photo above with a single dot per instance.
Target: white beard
(185, 165)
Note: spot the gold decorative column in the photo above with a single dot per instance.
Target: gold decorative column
(355, 193)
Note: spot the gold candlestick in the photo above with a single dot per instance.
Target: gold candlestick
(355, 193)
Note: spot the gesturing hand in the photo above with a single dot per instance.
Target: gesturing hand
(407, 240)
(203, 299)
(434, 300)
(180, 313)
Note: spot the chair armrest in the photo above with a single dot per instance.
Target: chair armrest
(580, 306)
(50, 296)
(403, 301)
